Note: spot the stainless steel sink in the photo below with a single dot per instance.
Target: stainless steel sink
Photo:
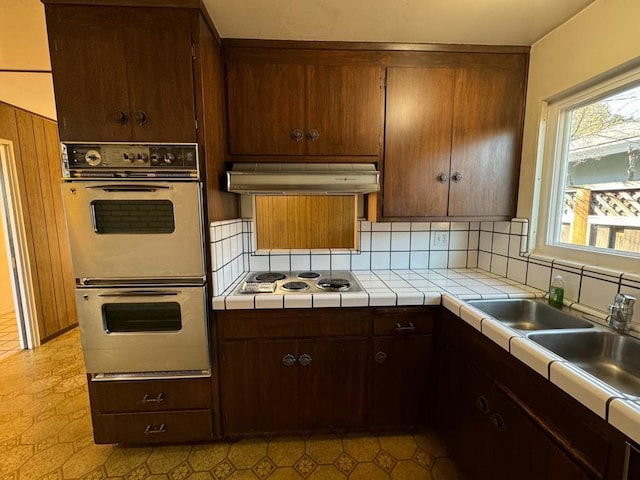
(609, 356)
(528, 314)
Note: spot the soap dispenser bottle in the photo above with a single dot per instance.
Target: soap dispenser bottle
(556, 291)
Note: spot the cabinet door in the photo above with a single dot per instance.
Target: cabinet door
(265, 105)
(259, 392)
(418, 141)
(400, 376)
(486, 143)
(160, 82)
(332, 386)
(345, 105)
(89, 76)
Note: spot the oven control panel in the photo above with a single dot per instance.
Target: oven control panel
(107, 160)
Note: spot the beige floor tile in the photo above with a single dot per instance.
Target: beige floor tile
(246, 453)
(445, 469)
(368, 471)
(205, 457)
(345, 463)
(264, 468)
(201, 476)
(324, 449)
(47, 461)
(430, 442)
(401, 447)
(326, 472)
(285, 451)
(42, 429)
(243, 475)
(362, 448)
(124, 460)
(165, 459)
(86, 460)
(285, 473)
(409, 470)
(14, 457)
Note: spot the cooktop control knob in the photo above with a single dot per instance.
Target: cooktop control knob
(127, 158)
(169, 158)
(155, 158)
(141, 158)
(93, 158)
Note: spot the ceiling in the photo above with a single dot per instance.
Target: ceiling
(487, 22)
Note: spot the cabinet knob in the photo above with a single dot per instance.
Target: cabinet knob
(297, 135)
(402, 329)
(381, 357)
(157, 399)
(482, 404)
(498, 422)
(288, 360)
(456, 177)
(121, 118)
(443, 177)
(141, 117)
(305, 359)
(313, 135)
(153, 430)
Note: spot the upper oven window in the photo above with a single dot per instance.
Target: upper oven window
(142, 317)
(133, 216)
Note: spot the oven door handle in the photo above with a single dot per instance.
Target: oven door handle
(128, 188)
(141, 293)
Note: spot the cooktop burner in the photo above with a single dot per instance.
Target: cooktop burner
(295, 286)
(310, 275)
(270, 277)
(299, 282)
(334, 284)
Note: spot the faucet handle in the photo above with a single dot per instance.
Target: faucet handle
(625, 299)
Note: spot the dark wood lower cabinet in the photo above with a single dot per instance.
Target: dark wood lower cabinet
(151, 411)
(502, 418)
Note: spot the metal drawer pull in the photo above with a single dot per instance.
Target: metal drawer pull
(498, 422)
(288, 360)
(482, 404)
(443, 177)
(408, 328)
(151, 430)
(297, 135)
(159, 398)
(141, 293)
(381, 357)
(456, 177)
(313, 135)
(305, 359)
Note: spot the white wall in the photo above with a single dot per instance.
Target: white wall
(6, 294)
(24, 50)
(600, 38)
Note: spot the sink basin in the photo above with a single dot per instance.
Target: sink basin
(527, 314)
(609, 356)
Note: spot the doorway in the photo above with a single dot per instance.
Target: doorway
(17, 329)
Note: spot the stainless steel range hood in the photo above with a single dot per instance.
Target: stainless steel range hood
(303, 178)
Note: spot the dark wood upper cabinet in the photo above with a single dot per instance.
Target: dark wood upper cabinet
(453, 139)
(304, 110)
(122, 74)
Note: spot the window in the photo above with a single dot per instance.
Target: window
(593, 179)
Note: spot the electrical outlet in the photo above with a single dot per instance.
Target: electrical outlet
(440, 239)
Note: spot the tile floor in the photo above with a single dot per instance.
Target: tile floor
(45, 434)
(9, 339)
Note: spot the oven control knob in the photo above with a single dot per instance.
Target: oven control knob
(93, 158)
(169, 158)
(127, 158)
(155, 158)
(141, 158)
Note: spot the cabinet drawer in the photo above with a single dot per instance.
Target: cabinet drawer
(150, 395)
(403, 321)
(290, 323)
(160, 427)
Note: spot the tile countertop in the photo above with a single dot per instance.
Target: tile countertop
(451, 288)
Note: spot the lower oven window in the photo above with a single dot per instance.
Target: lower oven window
(142, 317)
(133, 216)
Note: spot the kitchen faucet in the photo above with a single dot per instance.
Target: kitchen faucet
(621, 312)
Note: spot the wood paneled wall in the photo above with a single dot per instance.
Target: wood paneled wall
(37, 156)
(305, 221)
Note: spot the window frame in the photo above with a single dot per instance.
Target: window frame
(554, 131)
